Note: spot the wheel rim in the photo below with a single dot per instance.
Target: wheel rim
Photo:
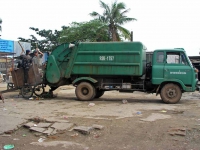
(27, 91)
(85, 91)
(171, 93)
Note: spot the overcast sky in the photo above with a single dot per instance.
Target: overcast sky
(160, 23)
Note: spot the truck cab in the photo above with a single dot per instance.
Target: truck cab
(174, 74)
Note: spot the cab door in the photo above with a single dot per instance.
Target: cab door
(177, 68)
(158, 67)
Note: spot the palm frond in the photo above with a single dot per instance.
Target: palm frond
(125, 33)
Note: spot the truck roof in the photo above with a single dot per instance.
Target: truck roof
(175, 49)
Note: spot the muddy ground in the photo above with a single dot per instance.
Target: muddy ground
(131, 121)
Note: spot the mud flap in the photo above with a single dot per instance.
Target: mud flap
(1, 97)
(157, 90)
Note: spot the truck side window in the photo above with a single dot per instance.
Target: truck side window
(176, 58)
(160, 57)
(173, 58)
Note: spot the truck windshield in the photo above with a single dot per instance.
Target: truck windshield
(183, 59)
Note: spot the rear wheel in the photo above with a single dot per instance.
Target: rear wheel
(99, 93)
(27, 91)
(85, 91)
(171, 93)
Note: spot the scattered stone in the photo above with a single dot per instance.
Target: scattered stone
(9, 132)
(74, 135)
(96, 126)
(16, 139)
(177, 131)
(91, 104)
(43, 125)
(82, 129)
(37, 129)
(38, 119)
(41, 140)
(124, 101)
(62, 126)
(96, 135)
(180, 133)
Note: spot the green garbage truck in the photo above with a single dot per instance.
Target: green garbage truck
(96, 67)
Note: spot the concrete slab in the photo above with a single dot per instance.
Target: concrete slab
(83, 129)
(49, 131)
(38, 129)
(29, 124)
(54, 132)
(8, 123)
(96, 126)
(62, 126)
(43, 125)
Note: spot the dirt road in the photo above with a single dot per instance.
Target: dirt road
(130, 121)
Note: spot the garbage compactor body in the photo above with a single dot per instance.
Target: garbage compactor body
(102, 59)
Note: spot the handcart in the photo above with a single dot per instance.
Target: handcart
(35, 82)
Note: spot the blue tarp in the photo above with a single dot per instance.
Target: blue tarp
(6, 46)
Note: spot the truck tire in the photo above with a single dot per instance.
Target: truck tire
(85, 91)
(27, 91)
(171, 93)
(99, 93)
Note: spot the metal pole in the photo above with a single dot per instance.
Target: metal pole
(131, 36)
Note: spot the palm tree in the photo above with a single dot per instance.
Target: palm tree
(114, 16)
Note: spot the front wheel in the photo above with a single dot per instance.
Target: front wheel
(85, 91)
(171, 93)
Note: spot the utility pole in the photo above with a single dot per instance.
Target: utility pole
(131, 36)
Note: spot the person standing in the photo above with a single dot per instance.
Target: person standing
(37, 57)
(26, 63)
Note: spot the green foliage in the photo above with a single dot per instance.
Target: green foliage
(91, 31)
(114, 16)
(48, 43)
